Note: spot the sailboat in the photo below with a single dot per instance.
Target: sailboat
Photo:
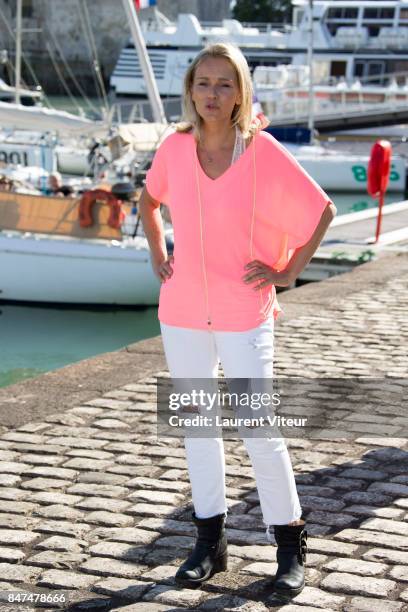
(51, 252)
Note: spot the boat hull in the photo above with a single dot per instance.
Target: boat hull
(44, 269)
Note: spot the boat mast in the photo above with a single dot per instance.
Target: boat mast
(19, 11)
(310, 64)
(138, 40)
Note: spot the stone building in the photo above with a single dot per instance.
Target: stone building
(65, 36)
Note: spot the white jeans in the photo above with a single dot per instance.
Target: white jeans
(195, 353)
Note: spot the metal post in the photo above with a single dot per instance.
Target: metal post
(19, 11)
(147, 70)
(310, 64)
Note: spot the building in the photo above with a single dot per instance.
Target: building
(71, 37)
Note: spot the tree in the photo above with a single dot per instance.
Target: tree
(267, 11)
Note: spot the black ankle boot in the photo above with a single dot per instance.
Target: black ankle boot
(209, 555)
(291, 557)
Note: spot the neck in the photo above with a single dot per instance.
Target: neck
(215, 136)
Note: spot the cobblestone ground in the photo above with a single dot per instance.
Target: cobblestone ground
(92, 502)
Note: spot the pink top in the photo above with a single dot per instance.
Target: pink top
(206, 290)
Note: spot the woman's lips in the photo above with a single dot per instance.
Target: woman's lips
(211, 106)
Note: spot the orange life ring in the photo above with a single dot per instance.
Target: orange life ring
(96, 195)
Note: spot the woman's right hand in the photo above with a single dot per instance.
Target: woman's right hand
(163, 270)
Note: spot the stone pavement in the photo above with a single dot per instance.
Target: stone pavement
(91, 502)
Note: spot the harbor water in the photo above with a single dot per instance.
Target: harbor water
(34, 340)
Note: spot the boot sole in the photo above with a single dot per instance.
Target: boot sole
(220, 565)
(289, 592)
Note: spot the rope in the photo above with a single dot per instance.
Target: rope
(27, 63)
(94, 54)
(72, 75)
(61, 78)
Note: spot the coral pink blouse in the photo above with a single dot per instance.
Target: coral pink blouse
(213, 239)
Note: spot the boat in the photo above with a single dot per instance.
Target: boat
(48, 257)
(351, 40)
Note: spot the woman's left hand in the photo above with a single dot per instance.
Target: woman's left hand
(259, 271)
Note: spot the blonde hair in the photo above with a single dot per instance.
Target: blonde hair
(242, 113)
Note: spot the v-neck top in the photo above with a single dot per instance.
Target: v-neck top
(210, 252)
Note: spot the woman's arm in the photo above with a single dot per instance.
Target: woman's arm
(304, 254)
(152, 221)
(298, 261)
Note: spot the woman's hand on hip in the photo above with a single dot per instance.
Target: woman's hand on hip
(163, 269)
(259, 271)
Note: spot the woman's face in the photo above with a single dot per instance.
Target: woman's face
(214, 90)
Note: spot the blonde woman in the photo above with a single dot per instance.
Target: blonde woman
(246, 218)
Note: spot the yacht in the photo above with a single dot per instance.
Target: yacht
(365, 40)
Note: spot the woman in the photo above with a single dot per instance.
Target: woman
(246, 218)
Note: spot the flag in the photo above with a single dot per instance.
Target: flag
(140, 4)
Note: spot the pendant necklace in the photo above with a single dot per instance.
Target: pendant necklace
(209, 157)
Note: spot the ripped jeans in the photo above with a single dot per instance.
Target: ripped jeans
(195, 353)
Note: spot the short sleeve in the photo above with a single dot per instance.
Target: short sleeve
(302, 201)
(157, 175)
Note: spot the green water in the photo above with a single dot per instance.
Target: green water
(36, 340)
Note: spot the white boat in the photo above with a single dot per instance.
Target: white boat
(351, 40)
(67, 270)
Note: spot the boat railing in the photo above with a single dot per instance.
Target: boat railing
(139, 111)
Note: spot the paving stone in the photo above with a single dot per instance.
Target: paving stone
(105, 402)
(156, 484)
(369, 604)
(89, 453)
(85, 489)
(64, 528)
(56, 472)
(79, 442)
(123, 588)
(260, 569)
(253, 553)
(59, 579)
(61, 543)
(57, 560)
(330, 518)
(131, 535)
(58, 512)
(375, 498)
(399, 572)
(331, 547)
(9, 480)
(183, 597)
(54, 497)
(13, 467)
(150, 607)
(11, 555)
(384, 554)
(316, 597)
(18, 573)
(378, 524)
(232, 603)
(45, 459)
(372, 511)
(160, 497)
(168, 526)
(103, 503)
(17, 507)
(118, 550)
(153, 510)
(44, 483)
(15, 436)
(12, 493)
(340, 582)
(17, 537)
(122, 569)
(355, 566)
(111, 424)
(389, 488)
(404, 595)
(312, 502)
(102, 478)
(100, 517)
(365, 536)
(161, 573)
(177, 542)
(83, 463)
(17, 521)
